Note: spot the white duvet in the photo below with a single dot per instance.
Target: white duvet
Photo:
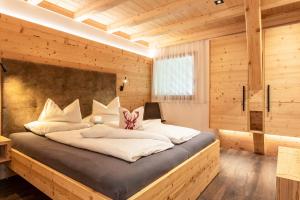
(177, 134)
(122, 144)
(112, 132)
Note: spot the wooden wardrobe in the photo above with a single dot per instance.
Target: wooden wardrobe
(229, 102)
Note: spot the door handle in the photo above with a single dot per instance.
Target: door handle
(268, 98)
(244, 98)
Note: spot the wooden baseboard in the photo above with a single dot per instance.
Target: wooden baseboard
(185, 181)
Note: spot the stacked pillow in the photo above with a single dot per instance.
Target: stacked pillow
(53, 119)
(103, 114)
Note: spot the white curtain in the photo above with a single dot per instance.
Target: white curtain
(180, 73)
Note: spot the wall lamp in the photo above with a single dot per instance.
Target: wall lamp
(3, 66)
(125, 81)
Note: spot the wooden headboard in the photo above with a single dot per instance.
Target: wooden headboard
(26, 86)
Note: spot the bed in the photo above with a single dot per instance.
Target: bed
(65, 172)
(103, 173)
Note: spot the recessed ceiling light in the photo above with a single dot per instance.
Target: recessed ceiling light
(217, 2)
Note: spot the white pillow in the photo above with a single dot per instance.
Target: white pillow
(52, 112)
(132, 120)
(111, 109)
(42, 128)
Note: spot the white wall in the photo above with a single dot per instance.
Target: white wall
(186, 114)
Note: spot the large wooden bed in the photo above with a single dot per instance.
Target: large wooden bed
(185, 181)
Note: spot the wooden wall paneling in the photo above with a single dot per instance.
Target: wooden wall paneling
(228, 75)
(282, 73)
(236, 140)
(244, 141)
(30, 42)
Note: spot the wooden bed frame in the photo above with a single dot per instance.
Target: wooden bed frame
(186, 181)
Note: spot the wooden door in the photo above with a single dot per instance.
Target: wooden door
(282, 74)
(228, 75)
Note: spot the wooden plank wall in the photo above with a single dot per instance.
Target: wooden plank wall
(244, 141)
(31, 42)
(228, 75)
(282, 66)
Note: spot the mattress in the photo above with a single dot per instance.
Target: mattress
(110, 176)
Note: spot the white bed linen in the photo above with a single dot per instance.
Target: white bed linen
(105, 131)
(177, 134)
(126, 149)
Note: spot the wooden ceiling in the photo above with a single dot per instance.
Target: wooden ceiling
(159, 23)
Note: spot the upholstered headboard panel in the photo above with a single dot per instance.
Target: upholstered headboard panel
(26, 86)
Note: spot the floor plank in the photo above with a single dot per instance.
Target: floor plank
(243, 176)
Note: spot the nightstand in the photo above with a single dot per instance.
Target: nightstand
(5, 144)
(288, 173)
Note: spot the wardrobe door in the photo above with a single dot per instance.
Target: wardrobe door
(282, 80)
(228, 83)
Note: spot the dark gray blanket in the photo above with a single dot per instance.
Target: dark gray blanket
(110, 176)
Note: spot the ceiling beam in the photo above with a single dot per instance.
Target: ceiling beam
(274, 20)
(207, 34)
(97, 6)
(280, 19)
(254, 43)
(268, 4)
(55, 8)
(192, 22)
(95, 24)
(150, 15)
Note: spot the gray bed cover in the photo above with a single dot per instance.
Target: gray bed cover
(110, 176)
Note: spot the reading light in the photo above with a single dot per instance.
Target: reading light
(125, 81)
(217, 2)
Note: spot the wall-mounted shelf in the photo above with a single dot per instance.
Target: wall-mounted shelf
(256, 121)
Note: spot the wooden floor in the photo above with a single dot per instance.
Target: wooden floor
(243, 176)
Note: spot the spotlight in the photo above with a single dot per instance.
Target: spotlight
(217, 2)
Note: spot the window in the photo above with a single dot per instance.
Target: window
(174, 77)
(180, 73)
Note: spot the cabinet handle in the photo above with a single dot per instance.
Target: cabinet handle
(268, 98)
(244, 97)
